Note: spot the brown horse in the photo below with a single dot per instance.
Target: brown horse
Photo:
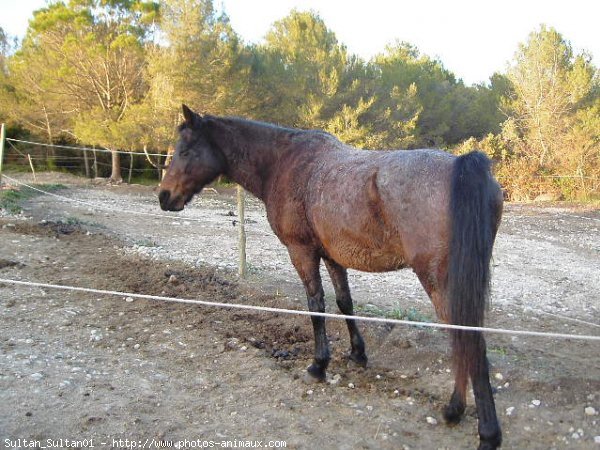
(368, 210)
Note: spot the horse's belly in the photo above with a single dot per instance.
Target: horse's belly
(366, 256)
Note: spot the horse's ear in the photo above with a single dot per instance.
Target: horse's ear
(188, 115)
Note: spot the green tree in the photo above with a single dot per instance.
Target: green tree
(4, 46)
(4, 82)
(198, 61)
(302, 76)
(298, 69)
(405, 72)
(88, 57)
(550, 86)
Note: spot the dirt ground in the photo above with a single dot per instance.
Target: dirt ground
(83, 366)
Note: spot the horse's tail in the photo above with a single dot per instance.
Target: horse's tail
(475, 209)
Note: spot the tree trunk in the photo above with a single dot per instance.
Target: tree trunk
(115, 175)
(50, 151)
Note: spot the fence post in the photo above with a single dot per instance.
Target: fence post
(242, 267)
(86, 163)
(2, 136)
(130, 168)
(95, 166)
(31, 165)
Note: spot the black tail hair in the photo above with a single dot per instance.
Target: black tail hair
(474, 211)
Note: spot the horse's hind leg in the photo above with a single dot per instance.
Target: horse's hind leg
(489, 430)
(456, 407)
(470, 360)
(306, 261)
(339, 278)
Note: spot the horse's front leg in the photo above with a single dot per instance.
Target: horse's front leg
(339, 278)
(306, 261)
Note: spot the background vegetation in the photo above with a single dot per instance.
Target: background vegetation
(113, 73)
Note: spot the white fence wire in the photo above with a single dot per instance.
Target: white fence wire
(104, 208)
(304, 313)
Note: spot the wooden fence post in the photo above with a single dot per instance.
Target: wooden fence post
(95, 166)
(130, 168)
(2, 136)
(32, 168)
(86, 163)
(242, 267)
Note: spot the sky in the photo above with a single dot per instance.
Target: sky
(473, 38)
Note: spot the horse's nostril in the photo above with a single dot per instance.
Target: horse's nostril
(163, 197)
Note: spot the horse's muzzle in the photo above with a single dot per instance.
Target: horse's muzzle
(170, 203)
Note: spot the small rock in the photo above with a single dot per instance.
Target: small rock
(536, 402)
(173, 280)
(590, 411)
(231, 344)
(431, 420)
(129, 299)
(575, 436)
(310, 392)
(95, 336)
(336, 379)
(597, 439)
(283, 354)
(510, 410)
(499, 376)
(136, 346)
(36, 376)
(351, 385)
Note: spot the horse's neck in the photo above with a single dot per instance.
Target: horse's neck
(250, 159)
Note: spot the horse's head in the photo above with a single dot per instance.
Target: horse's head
(196, 162)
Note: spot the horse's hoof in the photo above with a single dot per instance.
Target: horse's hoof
(483, 445)
(490, 441)
(453, 413)
(360, 359)
(315, 373)
(307, 378)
